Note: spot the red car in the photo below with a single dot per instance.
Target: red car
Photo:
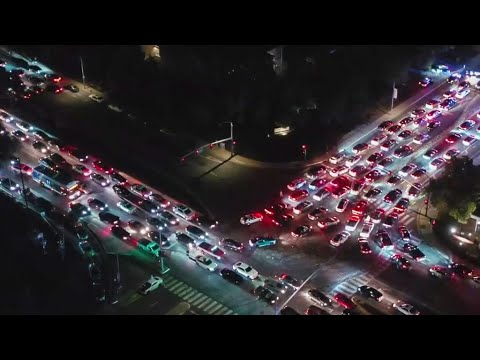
(359, 208)
(344, 300)
(298, 195)
(100, 166)
(23, 168)
(453, 138)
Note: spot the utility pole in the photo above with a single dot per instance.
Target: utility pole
(231, 137)
(17, 162)
(163, 270)
(394, 95)
(83, 73)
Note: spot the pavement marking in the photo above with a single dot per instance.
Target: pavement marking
(209, 306)
(174, 286)
(190, 295)
(215, 308)
(200, 299)
(180, 289)
(195, 297)
(203, 303)
(185, 291)
(229, 312)
(220, 311)
(409, 221)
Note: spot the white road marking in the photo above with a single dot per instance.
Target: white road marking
(195, 297)
(209, 306)
(190, 295)
(200, 299)
(180, 289)
(203, 303)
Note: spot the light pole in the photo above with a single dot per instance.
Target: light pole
(231, 136)
(304, 150)
(163, 269)
(83, 73)
(17, 162)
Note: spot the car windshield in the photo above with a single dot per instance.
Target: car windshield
(248, 269)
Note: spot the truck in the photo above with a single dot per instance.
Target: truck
(149, 246)
(211, 250)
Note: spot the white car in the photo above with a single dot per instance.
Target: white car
(406, 309)
(421, 138)
(342, 205)
(183, 211)
(99, 179)
(339, 239)
(338, 170)
(151, 284)
(115, 108)
(245, 270)
(407, 169)
(352, 160)
(250, 219)
(126, 206)
(296, 184)
(462, 93)
(335, 159)
(206, 263)
(96, 98)
(24, 126)
(377, 140)
(469, 140)
(451, 154)
(366, 229)
(352, 223)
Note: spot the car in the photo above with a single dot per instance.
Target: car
(211, 250)
(372, 194)
(55, 144)
(378, 139)
(315, 172)
(8, 184)
(302, 207)
(340, 192)
(460, 270)
(430, 154)
(328, 222)
(359, 148)
(72, 88)
(337, 158)
(406, 309)
(301, 231)
(195, 232)
(454, 78)
(475, 280)
(364, 246)
(231, 276)
(438, 163)
(404, 134)
(296, 184)
(316, 213)
(451, 154)
(418, 113)
(183, 239)
(377, 216)
(392, 196)
(402, 151)
(298, 195)
(344, 300)
(432, 104)
(453, 138)
(168, 217)
(357, 170)
(462, 93)
(126, 206)
(79, 210)
(24, 126)
(96, 98)
(183, 211)
(373, 176)
(404, 233)
(419, 122)
(388, 144)
(342, 205)
(148, 206)
(340, 238)
(121, 191)
(370, 292)
(317, 184)
(366, 229)
(262, 241)
(469, 140)
(359, 208)
(250, 219)
(6, 117)
(438, 272)
(383, 239)
(137, 227)
(21, 168)
(463, 85)
(385, 125)
(394, 129)
(265, 295)
(418, 173)
(318, 297)
(449, 94)
(83, 245)
(150, 285)
(406, 121)
(159, 200)
(231, 244)
(390, 220)
(433, 124)
(96, 204)
(84, 188)
(448, 104)
(402, 205)
(141, 190)
(414, 252)
(245, 270)
(352, 223)
(425, 82)
(414, 190)
(81, 169)
(99, 179)
(19, 135)
(352, 160)
(156, 223)
(205, 221)
(372, 159)
(118, 179)
(467, 125)
(57, 159)
(289, 281)
(282, 219)
(401, 262)
(338, 170)
(357, 187)
(394, 180)
(433, 114)
(78, 154)
(206, 263)
(407, 169)
(102, 167)
(108, 218)
(421, 138)
(54, 88)
(275, 209)
(315, 310)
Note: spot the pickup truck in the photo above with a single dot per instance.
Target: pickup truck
(149, 246)
(212, 250)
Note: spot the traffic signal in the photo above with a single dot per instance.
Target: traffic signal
(182, 159)
(197, 152)
(234, 142)
(433, 221)
(304, 147)
(211, 146)
(426, 201)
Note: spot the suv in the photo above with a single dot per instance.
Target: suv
(371, 292)
(184, 212)
(319, 297)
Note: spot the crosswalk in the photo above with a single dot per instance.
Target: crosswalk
(350, 286)
(195, 298)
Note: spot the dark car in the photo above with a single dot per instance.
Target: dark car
(276, 209)
(302, 231)
(282, 219)
(159, 200)
(385, 125)
(401, 262)
(157, 223)
(315, 214)
(231, 244)
(290, 281)
(316, 171)
(121, 190)
(383, 239)
(120, 233)
(57, 159)
(315, 310)
(155, 236)
(78, 154)
(265, 295)
(319, 297)
(148, 206)
(97, 204)
(287, 310)
(54, 88)
(371, 292)
(40, 135)
(344, 300)
(231, 276)
(72, 88)
(414, 252)
(460, 270)
(108, 218)
(206, 221)
(102, 167)
(79, 210)
(392, 196)
(117, 178)
(184, 239)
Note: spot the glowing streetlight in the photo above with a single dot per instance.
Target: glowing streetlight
(453, 230)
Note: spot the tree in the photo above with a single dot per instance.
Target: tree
(463, 211)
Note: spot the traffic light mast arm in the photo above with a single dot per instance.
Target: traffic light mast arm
(197, 150)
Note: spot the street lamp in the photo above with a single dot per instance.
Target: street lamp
(17, 162)
(304, 150)
(163, 269)
(231, 135)
(453, 230)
